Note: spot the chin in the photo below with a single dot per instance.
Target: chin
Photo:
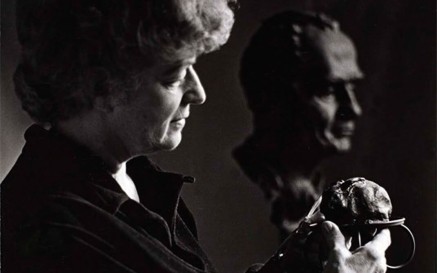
(332, 146)
(171, 142)
(342, 146)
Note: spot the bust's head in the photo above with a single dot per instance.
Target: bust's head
(300, 69)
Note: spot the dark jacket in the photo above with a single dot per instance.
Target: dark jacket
(62, 212)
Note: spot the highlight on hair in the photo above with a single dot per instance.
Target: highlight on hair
(76, 50)
(275, 56)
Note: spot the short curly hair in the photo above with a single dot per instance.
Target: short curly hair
(76, 50)
(277, 55)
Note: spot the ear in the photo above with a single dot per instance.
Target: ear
(298, 91)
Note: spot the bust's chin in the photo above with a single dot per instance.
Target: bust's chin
(335, 146)
(341, 145)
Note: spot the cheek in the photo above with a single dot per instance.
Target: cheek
(323, 112)
(159, 106)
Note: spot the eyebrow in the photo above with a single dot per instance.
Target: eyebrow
(355, 78)
(175, 67)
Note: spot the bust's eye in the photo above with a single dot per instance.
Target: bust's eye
(329, 90)
(325, 90)
(337, 88)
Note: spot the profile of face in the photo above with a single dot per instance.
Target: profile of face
(154, 115)
(327, 92)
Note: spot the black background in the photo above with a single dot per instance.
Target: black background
(394, 146)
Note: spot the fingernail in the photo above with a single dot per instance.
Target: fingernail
(326, 227)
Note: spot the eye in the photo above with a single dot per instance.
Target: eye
(326, 90)
(336, 88)
(329, 90)
(175, 80)
(173, 83)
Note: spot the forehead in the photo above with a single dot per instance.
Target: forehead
(170, 67)
(335, 56)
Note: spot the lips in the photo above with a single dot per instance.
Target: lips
(179, 119)
(344, 130)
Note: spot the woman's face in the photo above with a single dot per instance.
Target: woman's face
(154, 115)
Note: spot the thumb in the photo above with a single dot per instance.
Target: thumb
(333, 236)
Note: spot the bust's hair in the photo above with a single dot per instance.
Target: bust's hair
(276, 56)
(76, 50)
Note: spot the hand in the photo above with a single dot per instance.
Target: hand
(369, 258)
(292, 254)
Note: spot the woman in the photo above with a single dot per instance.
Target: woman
(114, 81)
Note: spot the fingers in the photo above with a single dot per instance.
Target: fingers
(374, 251)
(316, 218)
(380, 242)
(333, 236)
(369, 258)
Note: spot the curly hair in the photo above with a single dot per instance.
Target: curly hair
(277, 55)
(76, 50)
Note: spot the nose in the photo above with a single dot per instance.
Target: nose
(194, 92)
(354, 104)
(350, 105)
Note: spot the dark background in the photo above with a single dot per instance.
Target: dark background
(394, 146)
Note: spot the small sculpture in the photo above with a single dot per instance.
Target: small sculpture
(356, 201)
(360, 208)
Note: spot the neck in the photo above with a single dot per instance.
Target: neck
(126, 183)
(90, 131)
(291, 155)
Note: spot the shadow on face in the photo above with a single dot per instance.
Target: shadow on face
(326, 89)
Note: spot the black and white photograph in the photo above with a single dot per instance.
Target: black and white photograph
(205, 136)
